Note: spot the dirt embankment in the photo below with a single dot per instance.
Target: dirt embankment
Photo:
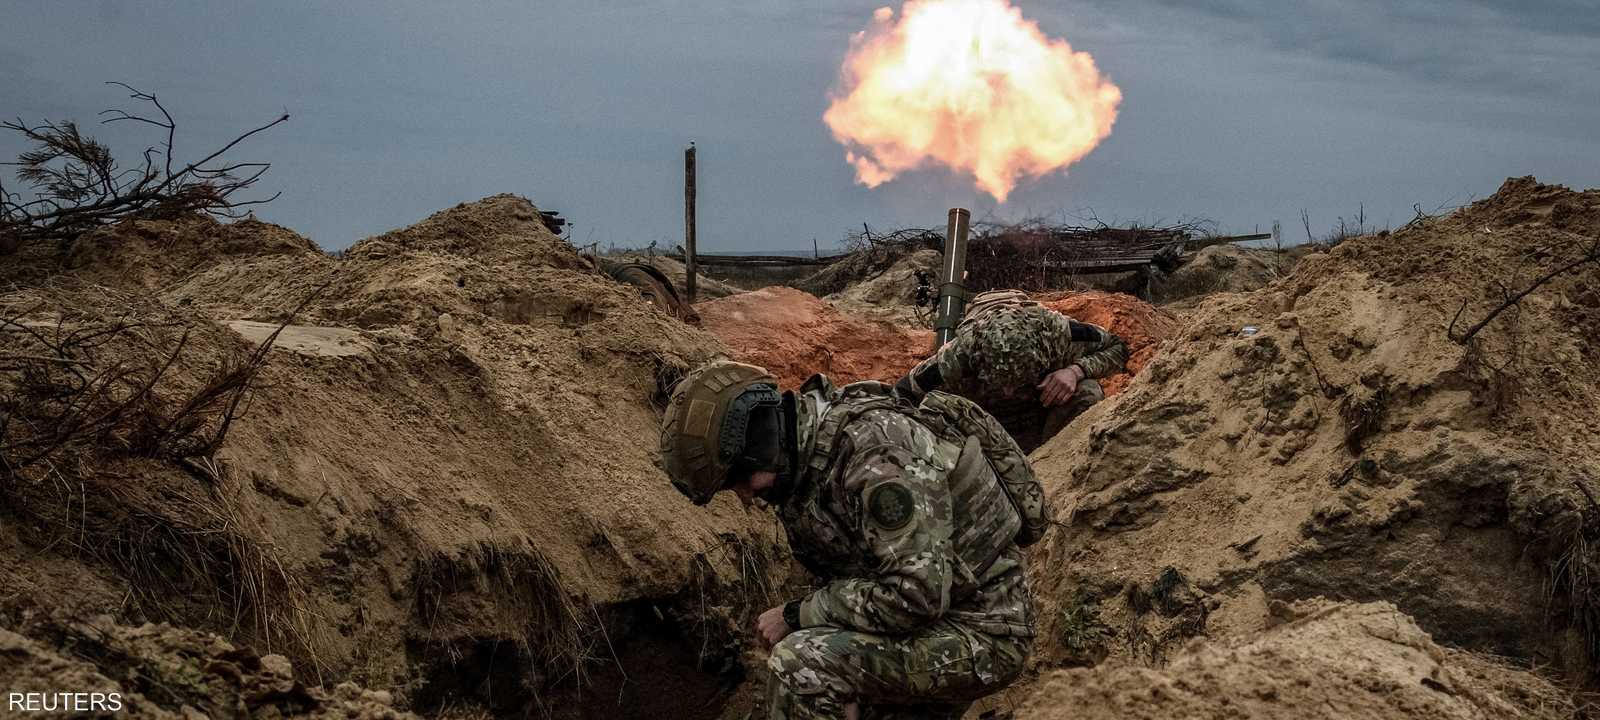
(794, 334)
(1324, 437)
(1141, 325)
(890, 294)
(1225, 269)
(1333, 661)
(443, 483)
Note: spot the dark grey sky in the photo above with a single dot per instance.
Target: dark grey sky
(1243, 111)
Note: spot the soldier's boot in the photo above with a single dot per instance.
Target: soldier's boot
(915, 712)
(784, 706)
(1088, 393)
(936, 672)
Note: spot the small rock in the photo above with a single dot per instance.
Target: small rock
(277, 665)
(278, 673)
(378, 697)
(447, 325)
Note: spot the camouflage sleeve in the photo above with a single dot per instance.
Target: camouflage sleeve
(1013, 351)
(905, 518)
(920, 380)
(959, 363)
(1093, 348)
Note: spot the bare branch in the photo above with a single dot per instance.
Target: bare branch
(1511, 300)
(76, 185)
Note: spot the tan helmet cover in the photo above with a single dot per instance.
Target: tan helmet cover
(991, 300)
(691, 431)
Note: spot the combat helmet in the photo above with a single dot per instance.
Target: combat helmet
(991, 300)
(704, 434)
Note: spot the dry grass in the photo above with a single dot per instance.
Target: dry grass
(1363, 412)
(722, 608)
(267, 596)
(524, 600)
(189, 554)
(108, 436)
(1574, 585)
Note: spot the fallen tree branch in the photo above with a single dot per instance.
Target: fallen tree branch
(72, 184)
(1511, 300)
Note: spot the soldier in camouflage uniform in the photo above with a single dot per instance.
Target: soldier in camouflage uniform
(1030, 367)
(925, 607)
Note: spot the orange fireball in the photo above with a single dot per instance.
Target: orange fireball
(970, 85)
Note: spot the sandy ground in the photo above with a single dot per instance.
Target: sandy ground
(311, 340)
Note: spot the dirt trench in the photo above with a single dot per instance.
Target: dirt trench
(441, 497)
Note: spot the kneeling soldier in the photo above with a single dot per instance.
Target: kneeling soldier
(900, 512)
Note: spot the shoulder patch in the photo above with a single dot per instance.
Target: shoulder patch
(1084, 332)
(890, 506)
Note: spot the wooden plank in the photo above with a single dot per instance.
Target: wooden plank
(1207, 242)
(762, 260)
(1112, 265)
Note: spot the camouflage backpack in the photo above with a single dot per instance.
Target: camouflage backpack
(952, 418)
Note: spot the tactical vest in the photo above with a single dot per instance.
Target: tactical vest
(992, 509)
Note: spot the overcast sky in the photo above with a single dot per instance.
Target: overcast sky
(1242, 111)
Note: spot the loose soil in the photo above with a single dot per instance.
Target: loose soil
(1334, 661)
(794, 334)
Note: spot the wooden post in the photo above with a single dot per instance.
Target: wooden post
(815, 254)
(689, 264)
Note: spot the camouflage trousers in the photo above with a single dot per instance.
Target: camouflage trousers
(1032, 424)
(933, 673)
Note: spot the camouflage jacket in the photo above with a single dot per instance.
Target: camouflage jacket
(1006, 351)
(876, 520)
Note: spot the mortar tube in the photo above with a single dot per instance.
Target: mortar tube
(952, 291)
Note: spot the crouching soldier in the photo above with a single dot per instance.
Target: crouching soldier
(911, 515)
(1030, 367)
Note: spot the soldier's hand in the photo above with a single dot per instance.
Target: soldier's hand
(771, 627)
(1059, 386)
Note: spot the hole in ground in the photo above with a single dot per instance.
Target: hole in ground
(643, 666)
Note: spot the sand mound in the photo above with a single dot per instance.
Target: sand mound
(443, 482)
(1336, 662)
(497, 228)
(1323, 437)
(152, 254)
(793, 334)
(1142, 326)
(1225, 268)
(863, 265)
(891, 295)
